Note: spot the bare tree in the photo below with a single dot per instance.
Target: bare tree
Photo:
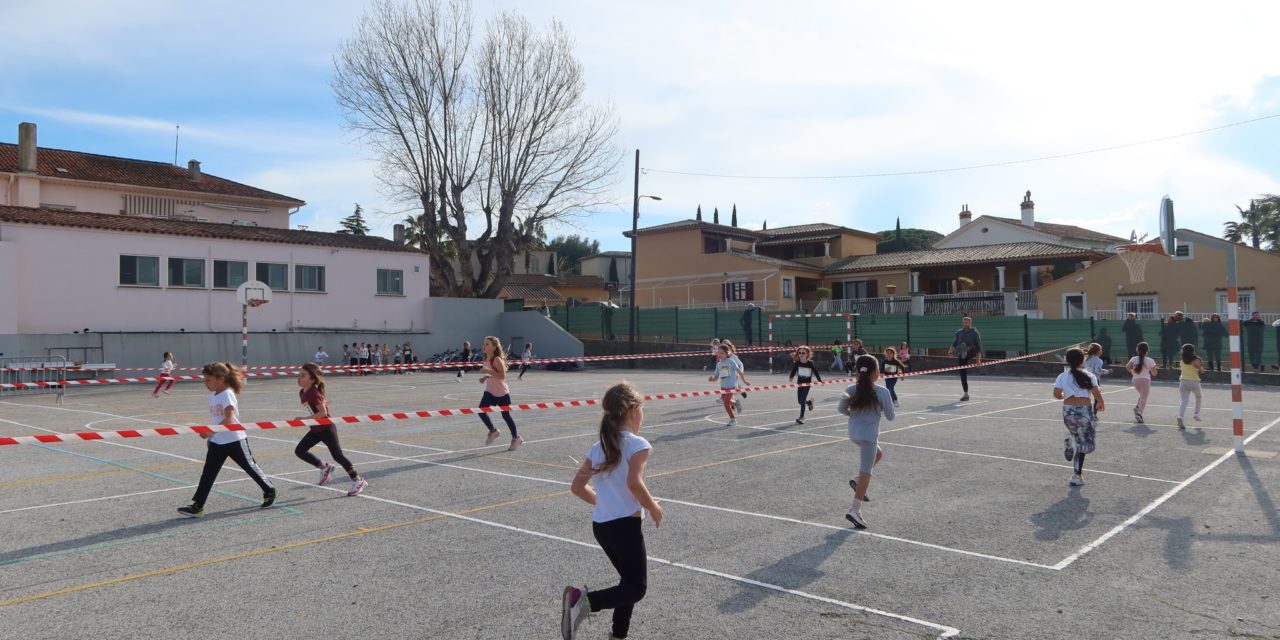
(502, 135)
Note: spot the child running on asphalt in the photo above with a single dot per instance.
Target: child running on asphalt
(802, 368)
(864, 402)
(615, 466)
(1189, 382)
(728, 371)
(314, 399)
(1142, 369)
(1081, 401)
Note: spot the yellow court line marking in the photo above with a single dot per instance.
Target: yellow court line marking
(263, 551)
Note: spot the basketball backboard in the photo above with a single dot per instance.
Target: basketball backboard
(253, 290)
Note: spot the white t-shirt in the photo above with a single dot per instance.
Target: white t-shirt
(1147, 365)
(527, 355)
(1070, 389)
(613, 498)
(320, 357)
(167, 368)
(218, 402)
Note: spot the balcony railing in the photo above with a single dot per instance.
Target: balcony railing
(890, 304)
(981, 303)
(1117, 314)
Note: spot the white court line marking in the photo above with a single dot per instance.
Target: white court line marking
(1116, 422)
(979, 415)
(1047, 464)
(1157, 502)
(946, 631)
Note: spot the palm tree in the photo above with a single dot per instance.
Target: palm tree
(1258, 219)
(414, 236)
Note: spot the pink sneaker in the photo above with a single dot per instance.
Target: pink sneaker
(515, 443)
(357, 487)
(493, 435)
(326, 468)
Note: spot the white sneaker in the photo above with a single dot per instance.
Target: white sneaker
(515, 443)
(326, 468)
(357, 487)
(895, 404)
(1196, 417)
(573, 610)
(855, 516)
(737, 405)
(493, 435)
(1076, 480)
(733, 422)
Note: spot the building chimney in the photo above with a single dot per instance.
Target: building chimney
(193, 170)
(397, 234)
(753, 247)
(965, 216)
(27, 147)
(1028, 211)
(826, 249)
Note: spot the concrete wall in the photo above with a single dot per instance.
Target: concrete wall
(997, 232)
(453, 320)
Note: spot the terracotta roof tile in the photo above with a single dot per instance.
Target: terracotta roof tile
(192, 229)
(530, 292)
(697, 224)
(962, 255)
(819, 230)
(1065, 230)
(548, 280)
(142, 173)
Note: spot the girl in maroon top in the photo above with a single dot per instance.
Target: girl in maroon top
(313, 399)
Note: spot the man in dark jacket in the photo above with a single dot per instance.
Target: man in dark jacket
(748, 319)
(1132, 336)
(1252, 329)
(1104, 340)
(1214, 331)
(1187, 333)
(1169, 336)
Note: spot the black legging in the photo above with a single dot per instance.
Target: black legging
(218, 454)
(489, 400)
(623, 541)
(329, 436)
(964, 375)
(802, 394)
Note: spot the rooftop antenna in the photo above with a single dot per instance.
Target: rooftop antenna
(176, 130)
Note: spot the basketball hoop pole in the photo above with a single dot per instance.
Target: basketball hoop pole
(244, 335)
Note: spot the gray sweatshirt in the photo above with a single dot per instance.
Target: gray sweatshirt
(864, 424)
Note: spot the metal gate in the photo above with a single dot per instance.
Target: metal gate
(48, 372)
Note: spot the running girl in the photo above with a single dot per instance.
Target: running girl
(525, 359)
(715, 353)
(224, 380)
(733, 355)
(465, 358)
(1081, 401)
(891, 366)
(1191, 366)
(727, 372)
(837, 363)
(904, 356)
(1143, 369)
(166, 375)
(802, 368)
(864, 402)
(1094, 364)
(496, 392)
(312, 393)
(615, 466)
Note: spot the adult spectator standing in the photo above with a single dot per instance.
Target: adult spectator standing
(1188, 333)
(967, 348)
(1169, 337)
(1253, 328)
(1132, 335)
(748, 319)
(544, 309)
(1213, 332)
(1104, 340)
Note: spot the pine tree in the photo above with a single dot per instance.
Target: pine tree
(898, 229)
(613, 270)
(734, 221)
(354, 223)
(715, 216)
(699, 213)
(766, 225)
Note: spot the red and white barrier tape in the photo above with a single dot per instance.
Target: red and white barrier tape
(126, 434)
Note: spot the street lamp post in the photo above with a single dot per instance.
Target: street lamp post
(632, 314)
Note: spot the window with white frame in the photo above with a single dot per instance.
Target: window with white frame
(390, 282)
(186, 272)
(308, 278)
(739, 291)
(140, 271)
(1143, 306)
(274, 275)
(1245, 300)
(1184, 251)
(788, 287)
(229, 274)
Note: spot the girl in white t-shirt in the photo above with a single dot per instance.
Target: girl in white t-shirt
(526, 358)
(1081, 401)
(166, 375)
(1143, 369)
(612, 480)
(224, 380)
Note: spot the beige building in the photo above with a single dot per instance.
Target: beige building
(555, 291)
(1193, 281)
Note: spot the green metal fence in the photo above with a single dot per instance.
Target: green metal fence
(999, 333)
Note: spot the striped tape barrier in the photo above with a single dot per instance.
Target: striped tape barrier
(128, 434)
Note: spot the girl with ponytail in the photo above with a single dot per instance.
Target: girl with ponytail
(615, 466)
(1143, 369)
(864, 402)
(1081, 401)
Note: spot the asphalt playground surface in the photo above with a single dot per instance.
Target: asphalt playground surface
(974, 532)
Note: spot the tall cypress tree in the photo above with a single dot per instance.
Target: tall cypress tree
(715, 216)
(898, 230)
(699, 213)
(735, 215)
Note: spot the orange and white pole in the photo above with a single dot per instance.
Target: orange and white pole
(1237, 367)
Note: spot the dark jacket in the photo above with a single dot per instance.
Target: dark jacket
(1253, 335)
(1214, 332)
(1187, 333)
(1132, 331)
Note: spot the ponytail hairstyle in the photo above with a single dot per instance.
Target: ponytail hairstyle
(1095, 349)
(1075, 360)
(864, 390)
(618, 401)
(1189, 353)
(498, 351)
(230, 374)
(1143, 348)
(168, 355)
(317, 378)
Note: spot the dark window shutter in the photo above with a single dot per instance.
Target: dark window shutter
(873, 289)
(837, 290)
(751, 291)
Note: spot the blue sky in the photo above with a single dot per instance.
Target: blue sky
(743, 88)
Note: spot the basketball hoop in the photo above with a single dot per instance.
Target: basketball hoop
(257, 303)
(1136, 257)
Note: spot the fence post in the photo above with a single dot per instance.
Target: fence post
(1026, 334)
(806, 330)
(1092, 332)
(677, 336)
(567, 323)
(715, 322)
(907, 338)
